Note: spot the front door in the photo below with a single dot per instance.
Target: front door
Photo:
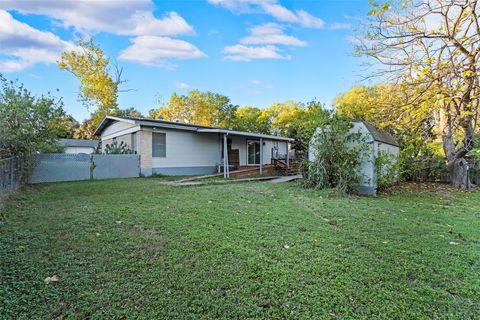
(253, 152)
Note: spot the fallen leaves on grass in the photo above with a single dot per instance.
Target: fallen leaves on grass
(51, 279)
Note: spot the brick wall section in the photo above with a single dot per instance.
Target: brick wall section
(145, 149)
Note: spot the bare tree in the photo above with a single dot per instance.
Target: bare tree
(432, 47)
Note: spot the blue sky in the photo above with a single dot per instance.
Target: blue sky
(256, 52)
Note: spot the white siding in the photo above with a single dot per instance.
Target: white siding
(188, 149)
(118, 129)
(367, 167)
(393, 150)
(270, 147)
(87, 150)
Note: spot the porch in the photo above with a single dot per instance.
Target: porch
(245, 154)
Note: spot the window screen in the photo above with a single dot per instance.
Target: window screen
(159, 147)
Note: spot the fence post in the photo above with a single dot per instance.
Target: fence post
(92, 166)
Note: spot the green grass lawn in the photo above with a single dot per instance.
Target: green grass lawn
(137, 249)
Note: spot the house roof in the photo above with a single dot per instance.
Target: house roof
(379, 135)
(78, 143)
(182, 126)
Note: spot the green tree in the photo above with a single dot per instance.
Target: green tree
(249, 119)
(305, 124)
(28, 123)
(128, 112)
(281, 117)
(201, 108)
(66, 127)
(295, 120)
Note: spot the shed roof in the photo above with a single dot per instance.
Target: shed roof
(182, 126)
(380, 135)
(78, 143)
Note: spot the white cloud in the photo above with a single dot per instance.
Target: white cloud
(182, 85)
(240, 52)
(272, 8)
(255, 87)
(126, 17)
(271, 33)
(157, 51)
(340, 26)
(259, 83)
(26, 45)
(309, 21)
(279, 12)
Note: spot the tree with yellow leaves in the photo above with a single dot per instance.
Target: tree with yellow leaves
(386, 106)
(99, 86)
(432, 49)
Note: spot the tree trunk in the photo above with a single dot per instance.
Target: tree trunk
(457, 164)
(458, 169)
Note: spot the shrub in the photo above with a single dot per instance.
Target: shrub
(118, 148)
(386, 170)
(338, 153)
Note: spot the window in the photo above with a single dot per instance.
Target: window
(159, 146)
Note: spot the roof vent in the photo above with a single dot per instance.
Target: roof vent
(176, 120)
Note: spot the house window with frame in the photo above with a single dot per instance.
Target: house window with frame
(159, 145)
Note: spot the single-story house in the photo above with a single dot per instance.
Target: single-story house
(78, 145)
(377, 141)
(173, 148)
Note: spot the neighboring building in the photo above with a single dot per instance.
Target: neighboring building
(172, 148)
(78, 145)
(377, 141)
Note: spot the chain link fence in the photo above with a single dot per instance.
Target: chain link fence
(57, 167)
(10, 176)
